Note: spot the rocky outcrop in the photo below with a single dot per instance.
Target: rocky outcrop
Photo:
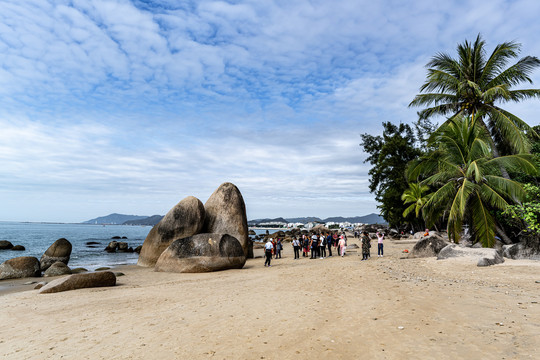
(428, 247)
(5, 245)
(60, 250)
(20, 267)
(182, 221)
(111, 247)
(226, 214)
(80, 281)
(483, 256)
(520, 251)
(57, 269)
(202, 253)
(18, 248)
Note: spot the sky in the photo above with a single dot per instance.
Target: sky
(130, 106)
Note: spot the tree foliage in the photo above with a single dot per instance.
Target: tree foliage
(389, 155)
(476, 84)
(467, 179)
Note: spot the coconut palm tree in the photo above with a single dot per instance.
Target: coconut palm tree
(415, 195)
(468, 180)
(475, 85)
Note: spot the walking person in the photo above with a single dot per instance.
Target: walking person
(365, 245)
(380, 238)
(322, 246)
(341, 246)
(268, 247)
(296, 247)
(329, 242)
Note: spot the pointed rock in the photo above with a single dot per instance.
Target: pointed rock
(226, 214)
(185, 219)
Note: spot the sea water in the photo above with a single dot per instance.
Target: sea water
(37, 237)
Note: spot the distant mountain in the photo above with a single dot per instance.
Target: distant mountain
(151, 220)
(367, 219)
(114, 219)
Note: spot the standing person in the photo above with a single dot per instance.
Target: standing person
(268, 247)
(314, 247)
(279, 247)
(305, 245)
(322, 246)
(329, 242)
(341, 245)
(296, 247)
(380, 238)
(365, 245)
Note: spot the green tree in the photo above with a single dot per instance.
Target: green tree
(415, 195)
(475, 84)
(389, 155)
(468, 180)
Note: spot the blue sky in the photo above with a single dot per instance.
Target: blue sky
(130, 106)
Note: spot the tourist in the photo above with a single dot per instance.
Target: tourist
(279, 247)
(329, 242)
(380, 238)
(365, 245)
(268, 247)
(305, 244)
(314, 246)
(322, 246)
(426, 233)
(342, 246)
(296, 247)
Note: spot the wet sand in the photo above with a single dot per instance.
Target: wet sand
(335, 308)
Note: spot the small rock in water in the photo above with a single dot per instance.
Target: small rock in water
(102, 268)
(119, 274)
(78, 270)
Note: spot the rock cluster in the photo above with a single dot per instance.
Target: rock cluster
(177, 242)
(60, 250)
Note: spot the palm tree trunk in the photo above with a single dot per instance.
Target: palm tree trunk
(505, 239)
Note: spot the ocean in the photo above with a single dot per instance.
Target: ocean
(37, 237)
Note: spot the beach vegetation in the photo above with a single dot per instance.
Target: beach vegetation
(389, 154)
(467, 179)
(475, 84)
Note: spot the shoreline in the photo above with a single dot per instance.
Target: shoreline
(383, 308)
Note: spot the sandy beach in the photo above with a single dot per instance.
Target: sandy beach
(335, 308)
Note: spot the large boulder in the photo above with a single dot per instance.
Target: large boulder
(80, 281)
(520, 251)
(183, 220)
(57, 269)
(60, 250)
(5, 245)
(20, 267)
(226, 214)
(483, 256)
(202, 253)
(428, 247)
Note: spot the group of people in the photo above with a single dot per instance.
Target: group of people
(315, 246)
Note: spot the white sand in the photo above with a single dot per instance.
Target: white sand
(336, 308)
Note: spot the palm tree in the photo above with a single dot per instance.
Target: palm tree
(475, 85)
(415, 195)
(468, 180)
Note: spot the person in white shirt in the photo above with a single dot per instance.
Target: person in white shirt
(268, 247)
(296, 247)
(380, 238)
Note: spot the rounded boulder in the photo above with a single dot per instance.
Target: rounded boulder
(60, 250)
(5, 245)
(202, 253)
(57, 269)
(226, 214)
(20, 267)
(185, 219)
